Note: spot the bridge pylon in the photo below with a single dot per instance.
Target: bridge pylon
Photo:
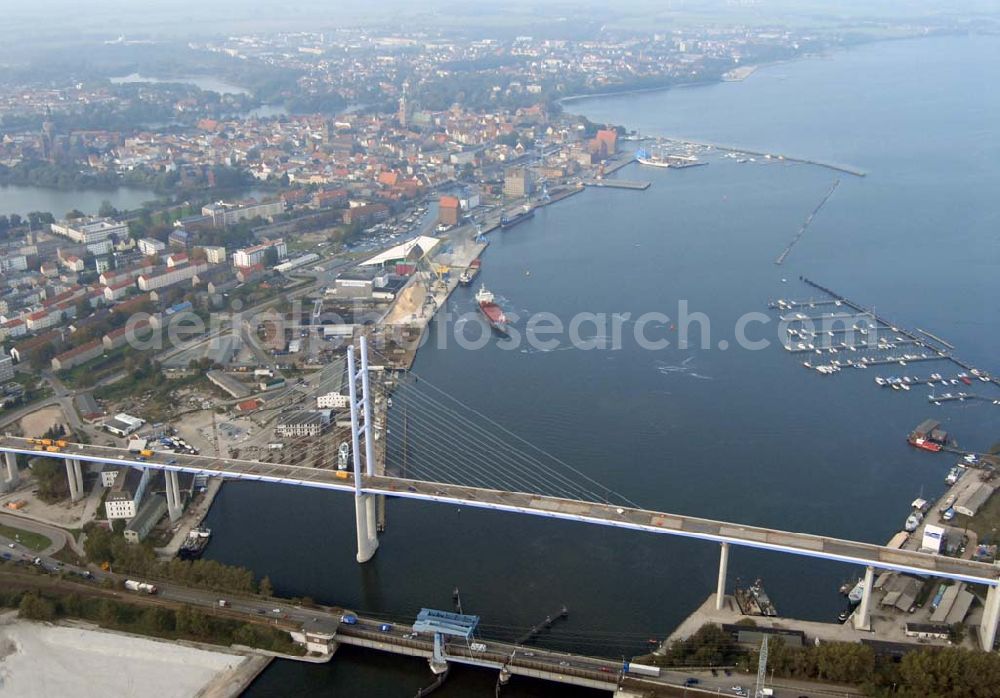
(361, 423)
(9, 477)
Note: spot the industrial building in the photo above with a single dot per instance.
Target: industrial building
(518, 182)
(151, 511)
(123, 425)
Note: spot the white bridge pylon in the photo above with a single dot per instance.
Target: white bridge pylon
(361, 426)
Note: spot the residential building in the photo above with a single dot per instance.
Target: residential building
(170, 275)
(332, 401)
(215, 255)
(78, 355)
(150, 246)
(303, 423)
(223, 214)
(122, 502)
(251, 256)
(6, 367)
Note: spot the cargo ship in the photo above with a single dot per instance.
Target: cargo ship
(469, 275)
(491, 311)
(194, 545)
(509, 220)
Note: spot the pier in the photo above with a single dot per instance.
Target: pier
(836, 167)
(617, 184)
(805, 225)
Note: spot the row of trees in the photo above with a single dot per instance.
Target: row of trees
(925, 672)
(183, 623)
(103, 545)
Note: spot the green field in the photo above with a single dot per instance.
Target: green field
(32, 541)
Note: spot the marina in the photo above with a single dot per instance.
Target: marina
(818, 334)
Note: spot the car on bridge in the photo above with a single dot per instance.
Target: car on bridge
(349, 619)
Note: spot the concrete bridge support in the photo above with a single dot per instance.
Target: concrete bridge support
(365, 505)
(175, 507)
(862, 614)
(9, 477)
(991, 616)
(364, 513)
(74, 474)
(720, 590)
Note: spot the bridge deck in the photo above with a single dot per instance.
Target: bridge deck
(792, 542)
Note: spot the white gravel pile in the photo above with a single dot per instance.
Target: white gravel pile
(44, 660)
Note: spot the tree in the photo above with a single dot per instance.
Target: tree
(107, 210)
(51, 479)
(34, 607)
(97, 546)
(265, 588)
(75, 214)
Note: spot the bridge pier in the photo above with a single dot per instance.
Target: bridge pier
(720, 589)
(364, 514)
(175, 506)
(365, 505)
(9, 478)
(862, 614)
(991, 616)
(74, 475)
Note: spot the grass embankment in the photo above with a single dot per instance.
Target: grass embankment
(32, 541)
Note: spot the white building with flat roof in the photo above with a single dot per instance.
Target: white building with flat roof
(90, 230)
(250, 256)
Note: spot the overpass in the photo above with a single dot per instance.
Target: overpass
(367, 486)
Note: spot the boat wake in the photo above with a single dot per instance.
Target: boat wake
(684, 368)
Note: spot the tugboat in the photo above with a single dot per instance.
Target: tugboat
(469, 275)
(491, 311)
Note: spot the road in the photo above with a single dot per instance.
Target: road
(59, 537)
(351, 628)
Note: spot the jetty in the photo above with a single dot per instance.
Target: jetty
(617, 184)
(805, 225)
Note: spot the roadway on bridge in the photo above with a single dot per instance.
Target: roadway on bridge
(804, 544)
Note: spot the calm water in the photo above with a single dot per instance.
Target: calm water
(202, 82)
(23, 199)
(741, 435)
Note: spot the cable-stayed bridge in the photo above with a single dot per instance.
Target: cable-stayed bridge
(525, 481)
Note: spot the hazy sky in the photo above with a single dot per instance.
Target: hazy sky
(43, 20)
